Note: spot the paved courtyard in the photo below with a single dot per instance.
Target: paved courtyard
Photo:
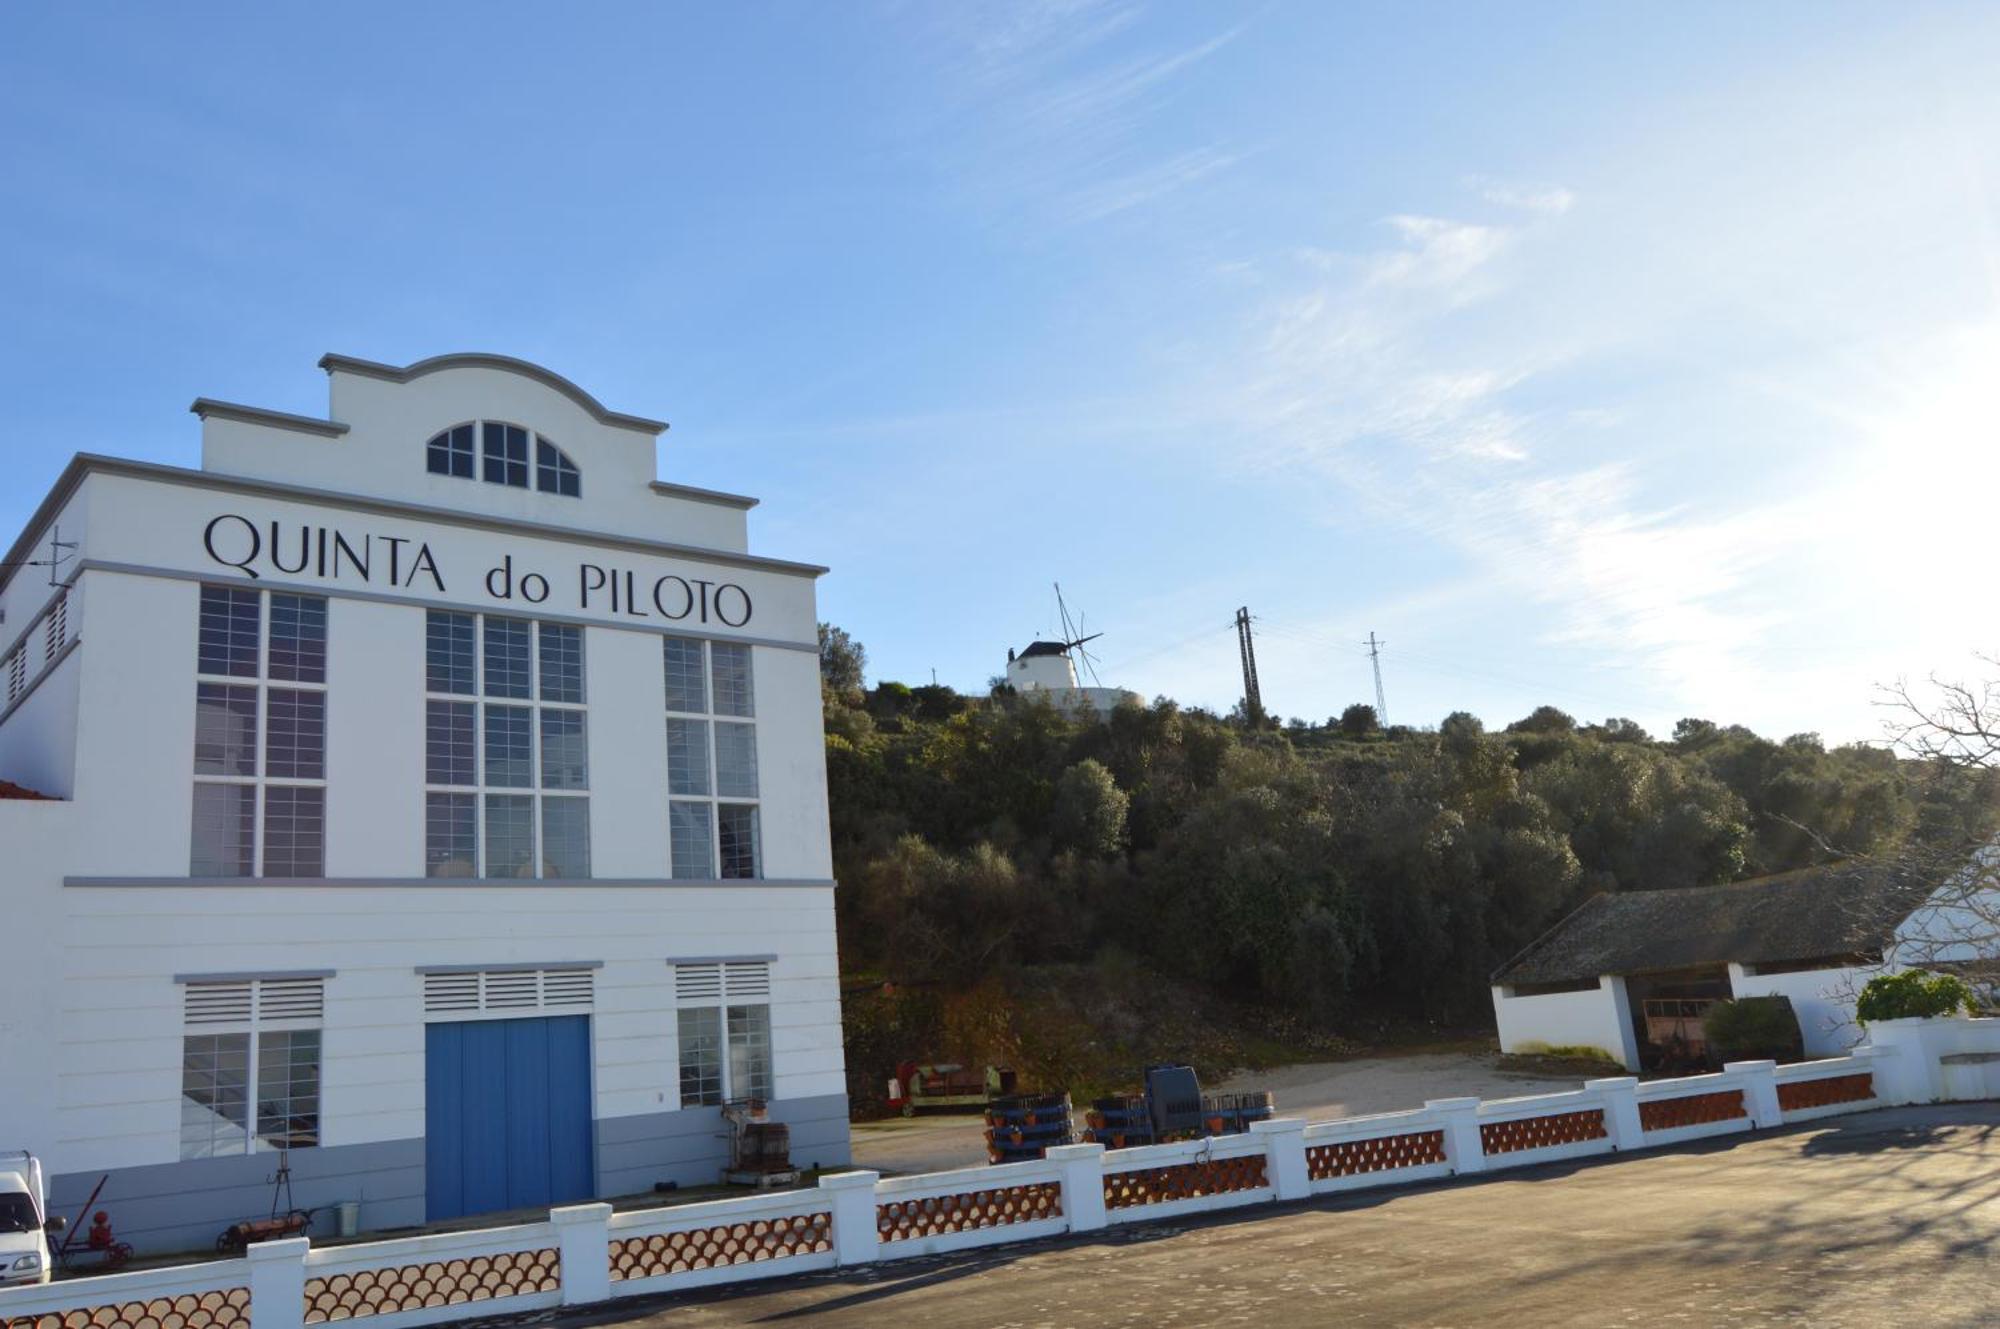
(1886, 1218)
(1316, 1091)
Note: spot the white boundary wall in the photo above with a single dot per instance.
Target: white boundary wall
(586, 1253)
(1599, 1018)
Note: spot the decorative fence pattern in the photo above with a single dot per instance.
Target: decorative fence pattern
(941, 1215)
(1545, 1132)
(1184, 1181)
(1800, 1095)
(190, 1310)
(1668, 1114)
(410, 1287)
(203, 1296)
(586, 1253)
(718, 1247)
(1382, 1153)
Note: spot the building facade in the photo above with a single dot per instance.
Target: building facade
(439, 803)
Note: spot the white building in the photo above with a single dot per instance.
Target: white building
(1044, 670)
(438, 795)
(1815, 936)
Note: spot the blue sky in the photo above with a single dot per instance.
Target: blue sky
(1646, 362)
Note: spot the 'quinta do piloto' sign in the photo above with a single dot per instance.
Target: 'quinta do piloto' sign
(327, 553)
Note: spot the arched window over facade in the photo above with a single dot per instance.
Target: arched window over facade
(501, 458)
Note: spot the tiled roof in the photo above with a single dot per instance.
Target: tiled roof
(8, 789)
(1802, 915)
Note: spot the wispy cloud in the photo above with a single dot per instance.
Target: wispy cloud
(1098, 201)
(1058, 117)
(1549, 200)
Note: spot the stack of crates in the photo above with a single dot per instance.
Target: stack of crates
(1231, 1114)
(1020, 1127)
(1166, 1111)
(1122, 1121)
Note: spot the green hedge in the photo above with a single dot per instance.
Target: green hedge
(1753, 1028)
(1912, 993)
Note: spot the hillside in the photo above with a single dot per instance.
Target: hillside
(1080, 895)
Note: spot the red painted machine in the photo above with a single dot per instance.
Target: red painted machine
(947, 1085)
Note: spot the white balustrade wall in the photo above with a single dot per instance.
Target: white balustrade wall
(587, 1253)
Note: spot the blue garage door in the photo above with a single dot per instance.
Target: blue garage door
(506, 1115)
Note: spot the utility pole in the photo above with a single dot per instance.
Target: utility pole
(1381, 702)
(1253, 700)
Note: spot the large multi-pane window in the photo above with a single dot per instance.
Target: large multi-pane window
(260, 735)
(712, 796)
(250, 1066)
(724, 1039)
(507, 753)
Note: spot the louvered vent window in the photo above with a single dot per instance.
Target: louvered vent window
(508, 990)
(56, 626)
(17, 675)
(697, 982)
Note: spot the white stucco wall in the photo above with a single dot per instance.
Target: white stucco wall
(1599, 1018)
(34, 840)
(1823, 1000)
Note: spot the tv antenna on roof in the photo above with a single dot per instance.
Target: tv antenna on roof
(1074, 638)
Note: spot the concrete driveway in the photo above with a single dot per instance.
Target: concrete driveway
(1317, 1091)
(1886, 1218)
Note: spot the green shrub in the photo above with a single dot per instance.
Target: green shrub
(1912, 993)
(1753, 1027)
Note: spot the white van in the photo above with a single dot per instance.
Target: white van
(25, 1224)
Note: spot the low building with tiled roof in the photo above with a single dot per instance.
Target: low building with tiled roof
(1618, 971)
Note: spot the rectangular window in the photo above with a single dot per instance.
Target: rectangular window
(229, 629)
(693, 835)
(566, 837)
(451, 743)
(449, 653)
(215, 1094)
(259, 806)
(225, 831)
(539, 747)
(737, 835)
(711, 760)
(510, 835)
(294, 831)
(730, 663)
(565, 758)
(687, 680)
(687, 757)
(701, 1057)
(254, 1083)
(451, 835)
(298, 638)
(750, 1052)
(507, 673)
(735, 760)
(295, 734)
(510, 747)
(225, 729)
(562, 662)
(287, 1089)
